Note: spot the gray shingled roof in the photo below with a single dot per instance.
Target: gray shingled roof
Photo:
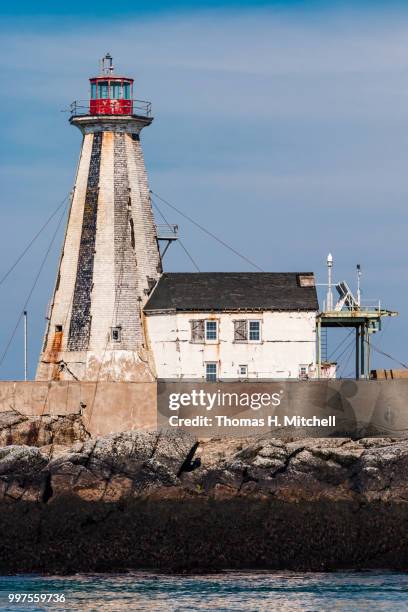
(215, 291)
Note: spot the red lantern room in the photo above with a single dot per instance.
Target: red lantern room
(110, 94)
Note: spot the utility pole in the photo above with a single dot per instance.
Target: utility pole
(25, 347)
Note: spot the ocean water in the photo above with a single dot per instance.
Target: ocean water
(283, 591)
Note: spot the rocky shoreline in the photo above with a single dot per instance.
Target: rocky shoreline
(151, 500)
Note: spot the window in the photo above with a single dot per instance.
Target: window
(126, 91)
(303, 372)
(115, 89)
(243, 371)
(211, 330)
(254, 331)
(240, 331)
(93, 91)
(58, 329)
(197, 331)
(116, 334)
(211, 368)
(245, 331)
(103, 89)
(203, 330)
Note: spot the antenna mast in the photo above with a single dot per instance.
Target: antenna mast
(107, 66)
(329, 298)
(359, 273)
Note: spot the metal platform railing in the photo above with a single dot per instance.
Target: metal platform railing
(167, 232)
(137, 107)
(370, 305)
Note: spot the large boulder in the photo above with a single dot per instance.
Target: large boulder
(302, 470)
(166, 464)
(121, 465)
(22, 474)
(16, 428)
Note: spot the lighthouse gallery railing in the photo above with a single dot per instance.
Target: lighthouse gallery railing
(139, 107)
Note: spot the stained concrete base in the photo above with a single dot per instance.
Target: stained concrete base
(106, 407)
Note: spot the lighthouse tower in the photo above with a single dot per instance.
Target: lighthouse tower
(110, 259)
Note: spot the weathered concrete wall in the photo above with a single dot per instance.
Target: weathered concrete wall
(106, 407)
(288, 340)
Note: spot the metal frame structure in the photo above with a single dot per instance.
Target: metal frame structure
(364, 321)
(349, 312)
(167, 234)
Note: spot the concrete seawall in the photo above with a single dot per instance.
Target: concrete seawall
(106, 407)
(362, 408)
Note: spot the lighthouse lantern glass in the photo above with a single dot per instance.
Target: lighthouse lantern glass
(115, 90)
(103, 90)
(126, 91)
(93, 91)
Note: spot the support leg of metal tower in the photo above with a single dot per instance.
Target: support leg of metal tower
(362, 354)
(358, 351)
(368, 353)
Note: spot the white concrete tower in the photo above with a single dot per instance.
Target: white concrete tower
(110, 259)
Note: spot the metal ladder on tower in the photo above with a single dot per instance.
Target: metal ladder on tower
(324, 355)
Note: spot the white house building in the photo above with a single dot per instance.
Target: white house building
(234, 325)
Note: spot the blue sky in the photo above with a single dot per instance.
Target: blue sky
(283, 127)
(124, 8)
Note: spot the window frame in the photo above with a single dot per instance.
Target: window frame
(304, 366)
(126, 90)
(211, 363)
(240, 374)
(101, 87)
(197, 337)
(239, 321)
(259, 339)
(247, 322)
(118, 329)
(200, 336)
(112, 86)
(212, 322)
